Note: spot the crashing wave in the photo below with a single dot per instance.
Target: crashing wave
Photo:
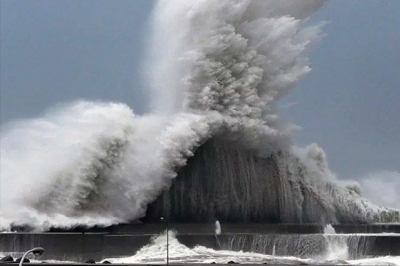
(217, 71)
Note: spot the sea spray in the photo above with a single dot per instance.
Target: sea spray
(155, 253)
(387, 181)
(236, 185)
(217, 233)
(217, 228)
(91, 164)
(337, 248)
(341, 247)
(217, 71)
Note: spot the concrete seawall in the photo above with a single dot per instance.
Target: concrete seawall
(126, 240)
(209, 228)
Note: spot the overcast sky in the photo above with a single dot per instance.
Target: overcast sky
(59, 51)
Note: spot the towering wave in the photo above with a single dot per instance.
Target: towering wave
(217, 70)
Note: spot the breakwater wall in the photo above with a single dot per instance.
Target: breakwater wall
(126, 240)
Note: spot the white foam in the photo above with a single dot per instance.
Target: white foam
(215, 67)
(337, 246)
(224, 65)
(386, 260)
(156, 252)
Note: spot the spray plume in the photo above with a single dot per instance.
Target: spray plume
(215, 68)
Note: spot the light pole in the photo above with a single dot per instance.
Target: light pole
(164, 220)
(36, 251)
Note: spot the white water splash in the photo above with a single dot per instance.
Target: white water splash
(156, 252)
(217, 228)
(337, 246)
(91, 164)
(215, 67)
(387, 183)
(385, 260)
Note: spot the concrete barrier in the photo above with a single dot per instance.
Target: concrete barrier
(126, 240)
(366, 228)
(115, 246)
(209, 228)
(64, 246)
